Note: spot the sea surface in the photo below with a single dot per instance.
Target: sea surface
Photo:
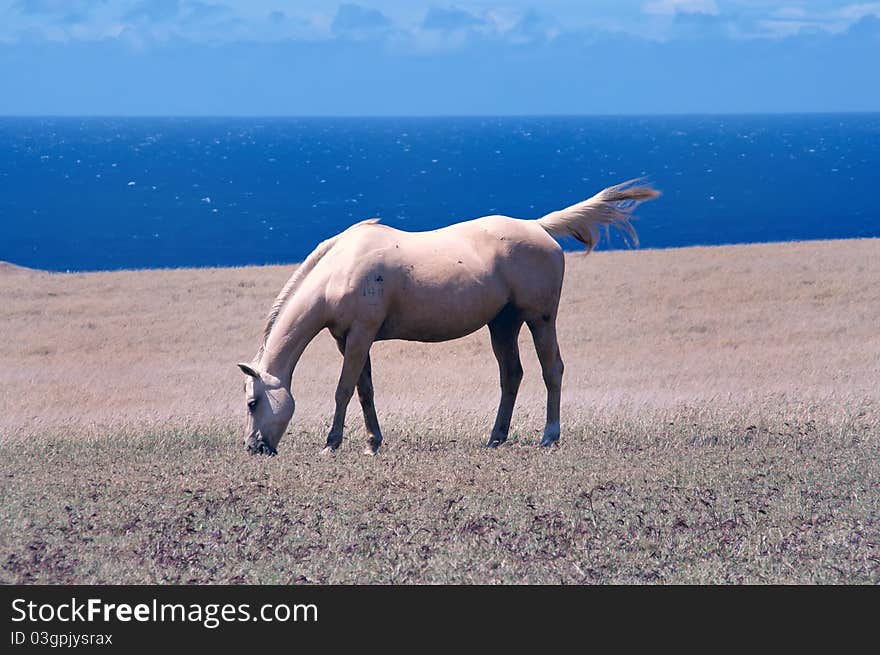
(110, 193)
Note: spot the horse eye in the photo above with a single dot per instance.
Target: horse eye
(251, 404)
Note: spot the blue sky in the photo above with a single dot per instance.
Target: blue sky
(392, 57)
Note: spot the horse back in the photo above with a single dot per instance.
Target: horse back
(442, 284)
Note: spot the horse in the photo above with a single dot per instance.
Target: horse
(372, 282)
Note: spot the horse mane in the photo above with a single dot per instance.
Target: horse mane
(296, 280)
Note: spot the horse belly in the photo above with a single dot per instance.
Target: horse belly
(423, 311)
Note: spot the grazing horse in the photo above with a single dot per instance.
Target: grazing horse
(373, 282)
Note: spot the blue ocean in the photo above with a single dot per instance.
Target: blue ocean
(110, 193)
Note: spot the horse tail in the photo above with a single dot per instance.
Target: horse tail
(611, 206)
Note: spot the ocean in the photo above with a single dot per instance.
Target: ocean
(85, 194)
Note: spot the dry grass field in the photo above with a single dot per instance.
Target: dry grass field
(720, 424)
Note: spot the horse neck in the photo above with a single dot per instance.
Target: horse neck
(300, 321)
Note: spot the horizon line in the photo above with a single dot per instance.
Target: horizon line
(455, 115)
(568, 252)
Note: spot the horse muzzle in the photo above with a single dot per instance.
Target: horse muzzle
(260, 447)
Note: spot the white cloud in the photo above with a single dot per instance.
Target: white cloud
(450, 19)
(352, 18)
(789, 21)
(858, 11)
(672, 7)
(789, 13)
(427, 24)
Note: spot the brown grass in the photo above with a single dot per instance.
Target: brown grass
(720, 423)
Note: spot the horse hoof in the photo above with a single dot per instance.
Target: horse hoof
(369, 451)
(549, 443)
(328, 451)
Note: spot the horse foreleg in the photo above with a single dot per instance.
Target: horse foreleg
(365, 395)
(544, 335)
(356, 353)
(504, 331)
(371, 421)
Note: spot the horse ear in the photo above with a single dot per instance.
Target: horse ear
(247, 369)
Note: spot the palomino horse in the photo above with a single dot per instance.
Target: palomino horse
(372, 282)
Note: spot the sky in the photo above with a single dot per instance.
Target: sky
(397, 57)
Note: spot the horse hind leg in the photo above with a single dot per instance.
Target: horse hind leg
(544, 334)
(504, 331)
